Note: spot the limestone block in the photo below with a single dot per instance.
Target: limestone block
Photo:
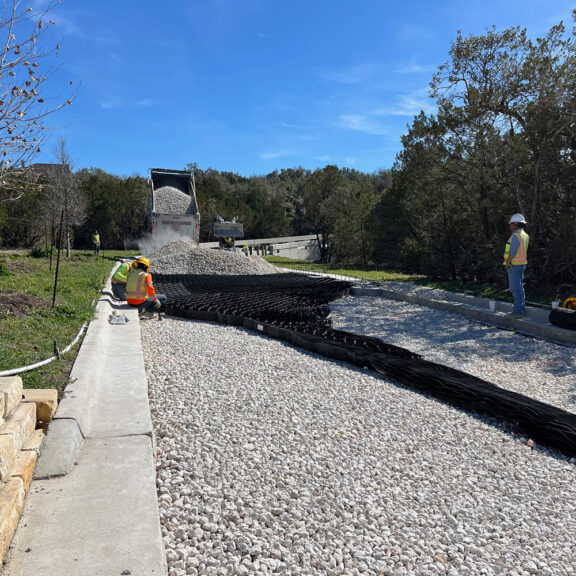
(8, 454)
(11, 388)
(12, 497)
(46, 403)
(24, 467)
(20, 424)
(34, 441)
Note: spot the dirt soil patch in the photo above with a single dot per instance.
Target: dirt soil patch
(17, 267)
(17, 303)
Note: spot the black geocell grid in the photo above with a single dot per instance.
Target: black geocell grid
(296, 306)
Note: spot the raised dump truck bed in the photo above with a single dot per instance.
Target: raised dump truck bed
(173, 205)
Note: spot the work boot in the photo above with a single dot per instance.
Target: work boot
(146, 314)
(515, 315)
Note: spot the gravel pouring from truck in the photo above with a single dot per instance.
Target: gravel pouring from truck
(173, 205)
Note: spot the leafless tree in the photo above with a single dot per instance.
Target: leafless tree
(28, 57)
(62, 198)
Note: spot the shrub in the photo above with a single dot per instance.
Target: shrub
(42, 252)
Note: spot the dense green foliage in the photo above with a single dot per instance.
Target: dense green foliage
(502, 141)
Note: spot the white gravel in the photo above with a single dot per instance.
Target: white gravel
(536, 368)
(170, 200)
(185, 257)
(273, 460)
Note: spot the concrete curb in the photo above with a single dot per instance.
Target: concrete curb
(534, 324)
(93, 507)
(59, 453)
(78, 407)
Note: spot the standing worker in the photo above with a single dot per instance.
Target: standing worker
(515, 260)
(140, 290)
(120, 278)
(96, 242)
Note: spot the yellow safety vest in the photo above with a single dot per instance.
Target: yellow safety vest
(521, 255)
(122, 273)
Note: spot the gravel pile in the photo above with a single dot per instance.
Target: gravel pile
(183, 257)
(273, 460)
(170, 200)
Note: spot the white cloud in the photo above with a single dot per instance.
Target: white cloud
(353, 75)
(361, 123)
(274, 155)
(372, 121)
(111, 103)
(414, 68)
(408, 104)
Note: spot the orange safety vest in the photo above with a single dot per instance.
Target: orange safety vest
(139, 287)
(521, 256)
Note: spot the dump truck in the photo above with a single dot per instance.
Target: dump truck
(174, 211)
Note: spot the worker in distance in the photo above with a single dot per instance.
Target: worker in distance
(515, 260)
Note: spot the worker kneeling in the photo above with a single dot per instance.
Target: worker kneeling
(140, 290)
(120, 278)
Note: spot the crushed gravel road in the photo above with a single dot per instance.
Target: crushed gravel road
(274, 460)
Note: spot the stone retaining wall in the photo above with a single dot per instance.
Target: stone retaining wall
(23, 416)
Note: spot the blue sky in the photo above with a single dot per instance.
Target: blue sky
(253, 86)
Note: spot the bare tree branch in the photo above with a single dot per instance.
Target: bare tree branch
(28, 56)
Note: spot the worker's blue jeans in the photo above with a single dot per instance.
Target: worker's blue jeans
(119, 291)
(516, 282)
(149, 305)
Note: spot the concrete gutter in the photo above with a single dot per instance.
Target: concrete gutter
(535, 323)
(92, 508)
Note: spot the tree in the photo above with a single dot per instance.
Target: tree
(21, 221)
(63, 199)
(321, 204)
(354, 230)
(116, 207)
(523, 92)
(27, 59)
(212, 193)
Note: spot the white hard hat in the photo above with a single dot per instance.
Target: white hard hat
(517, 219)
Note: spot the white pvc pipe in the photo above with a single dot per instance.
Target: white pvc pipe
(44, 362)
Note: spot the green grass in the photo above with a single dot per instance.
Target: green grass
(538, 295)
(31, 338)
(370, 274)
